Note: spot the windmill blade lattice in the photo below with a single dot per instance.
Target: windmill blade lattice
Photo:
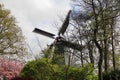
(65, 24)
(36, 30)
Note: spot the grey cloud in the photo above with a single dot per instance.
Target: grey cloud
(36, 13)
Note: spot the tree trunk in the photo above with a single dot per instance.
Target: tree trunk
(105, 51)
(81, 55)
(100, 76)
(112, 43)
(90, 48)
(105, 56)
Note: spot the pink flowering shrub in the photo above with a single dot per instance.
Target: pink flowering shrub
(10, 69)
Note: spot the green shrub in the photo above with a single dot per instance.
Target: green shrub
(42, 69)
(113, 75)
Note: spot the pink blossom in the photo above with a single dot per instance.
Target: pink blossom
(10, 69)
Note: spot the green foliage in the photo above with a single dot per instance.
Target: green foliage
(42, 69)
(11, 39)
(113, 75)
(82, 73)
(47, 53)
(117, 58)
(56, 58)
(29, 69)
(37, 69)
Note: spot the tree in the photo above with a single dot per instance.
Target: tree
(97, 19)
(47, 68)
(42, 69)
(11, 39)
(10, 69)
(113, 75)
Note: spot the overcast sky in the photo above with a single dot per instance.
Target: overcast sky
(37, 13)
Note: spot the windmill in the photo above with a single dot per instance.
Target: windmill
(59, 41)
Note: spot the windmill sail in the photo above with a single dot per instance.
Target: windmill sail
(65, 24)
(36, 30)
